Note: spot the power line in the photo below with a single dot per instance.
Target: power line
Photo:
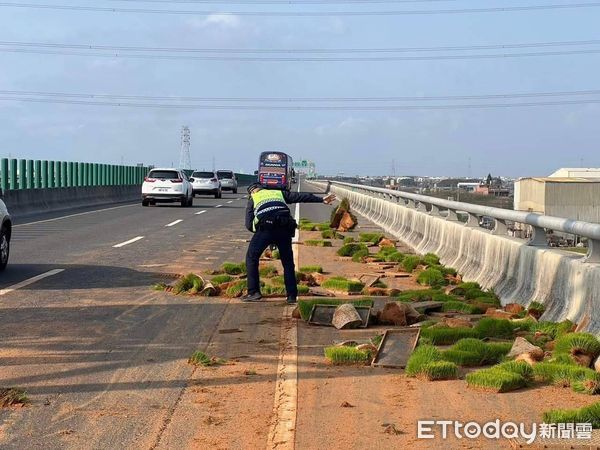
(302, 99)
(300, 13)
(129, 48)
(279, 2)
(302, 59)
(305, 108)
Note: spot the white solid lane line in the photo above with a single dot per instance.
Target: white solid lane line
(200, 212)
(174, 223)
(72, 215)
(130, 241)
(29, 281)
(218, 206)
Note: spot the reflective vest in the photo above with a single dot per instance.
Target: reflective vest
(266, 202)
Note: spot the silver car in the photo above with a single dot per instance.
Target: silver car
(228, 180)
(5, 233)
(207, 183)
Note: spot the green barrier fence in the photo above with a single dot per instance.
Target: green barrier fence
(29, 174)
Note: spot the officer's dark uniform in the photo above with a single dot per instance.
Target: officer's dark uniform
(268, 217)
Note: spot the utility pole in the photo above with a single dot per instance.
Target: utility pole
(213, 164)
(185, 157)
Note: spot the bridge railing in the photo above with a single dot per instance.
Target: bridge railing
(449, 210)
(18, 174)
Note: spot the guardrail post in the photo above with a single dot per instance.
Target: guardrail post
(44, 175)
(50, 176)
(452, 215)
(434, 210)
(22, 174)
(4, 173)
(58, 174)
(500, 228)
(538, 237)
(80, 168)
(63, 171)
(30, 174)
(13, 185)
(472, 220)
(593, 254)
(38, 174)
(71, 174)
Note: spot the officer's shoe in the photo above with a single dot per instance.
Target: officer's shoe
(291, 300)
(256, 297)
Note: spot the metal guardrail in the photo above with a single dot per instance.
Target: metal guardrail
(538, 222)
(41, 174)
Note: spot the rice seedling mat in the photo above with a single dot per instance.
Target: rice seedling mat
(395, 347)
(323, 315)
(423, 307)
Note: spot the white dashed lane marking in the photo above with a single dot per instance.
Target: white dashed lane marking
(200, 212)
(230, 201)
(130, 241)
(174, 223)
(218, 206)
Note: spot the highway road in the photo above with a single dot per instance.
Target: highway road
(102, 356)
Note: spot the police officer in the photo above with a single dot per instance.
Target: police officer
(268, 217)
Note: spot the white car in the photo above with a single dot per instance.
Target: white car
(167, 185)
(5, 233)
(228, 180)
(206, 183)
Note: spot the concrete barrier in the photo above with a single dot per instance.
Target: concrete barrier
(22, 203)
(567, 286)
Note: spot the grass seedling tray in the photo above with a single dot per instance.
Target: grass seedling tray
(396, 347)
(323, 315)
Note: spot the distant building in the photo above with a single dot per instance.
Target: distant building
(573, 197)
(583, 172)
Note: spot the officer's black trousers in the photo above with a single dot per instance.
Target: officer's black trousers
(260, 241)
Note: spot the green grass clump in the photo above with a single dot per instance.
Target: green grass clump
(518, 367)
(269, 289)
(410, 262)
(495, 328)
(220, 279)
(474, 352)
(342, 284)
(445, 270)
(577, 343)
(562, 374)
(423, 355)
(587, 414)
(589, 386)
(553, 329)
(461, 307)
(277, 281)
(311, 269)
(347, 355)
(159, 286)
(417, 295)
(537, 306)
(447, 335)
(12, 396)
(303, 289)
(350, 249)
(305, 306)
(432, 277)
(317, 243)
(496, 379)
(190, 283)
(440, 370)
(199, 358)
(231, 268)
(236, 289)
(431, 259)
(328, 234)
(360, 255)
(372, 238)
(348, 240)
(323, 226)
(275, 254)
(267, 271)
(307, 226)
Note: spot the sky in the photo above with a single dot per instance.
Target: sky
(523, 141)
